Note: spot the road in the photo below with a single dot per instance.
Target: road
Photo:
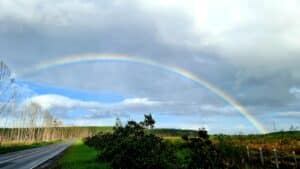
(31, 158)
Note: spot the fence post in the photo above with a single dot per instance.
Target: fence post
(261, 156)
(276, 158)
(248, 153)
(295, 159)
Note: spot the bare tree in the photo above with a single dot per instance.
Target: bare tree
(5, 94)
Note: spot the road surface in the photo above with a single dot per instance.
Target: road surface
(31, 158)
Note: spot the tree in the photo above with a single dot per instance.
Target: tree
(4, 71)
(6, 82)
(130, 147)
(202, 153)
(118, 123)
(6, 90)
(148, 121)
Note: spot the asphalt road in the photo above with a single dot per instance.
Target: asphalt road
(31, 158)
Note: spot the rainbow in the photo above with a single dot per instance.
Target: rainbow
(122, 58)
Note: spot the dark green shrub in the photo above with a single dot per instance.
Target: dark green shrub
(202, 153)
(129, 147)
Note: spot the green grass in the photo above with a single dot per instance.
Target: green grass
(80, 156)
(7, 148)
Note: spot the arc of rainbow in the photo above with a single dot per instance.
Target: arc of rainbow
(184, 73)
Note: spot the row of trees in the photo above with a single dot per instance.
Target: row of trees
(27, 124)
(40, 134)
(21, 122)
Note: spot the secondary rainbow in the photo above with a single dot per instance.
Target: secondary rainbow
(123, 58)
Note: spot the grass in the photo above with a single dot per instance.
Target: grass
(172, 138)
(12, 147)
(284, 141)
(80, 156)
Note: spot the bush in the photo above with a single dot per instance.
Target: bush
(130, 147)
(202, 153)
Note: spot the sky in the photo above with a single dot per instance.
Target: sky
(247, 49)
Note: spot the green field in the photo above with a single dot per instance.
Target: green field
(80, 156)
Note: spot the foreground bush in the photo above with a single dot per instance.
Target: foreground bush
(200, 152)
(130, 147)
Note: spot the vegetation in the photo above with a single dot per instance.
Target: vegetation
(173, 132)
(7, 148)
(131, 147)
(26, 122)
(41, 134)
(259, 151)
(135, 146)
(284, 141)
(80, 156)
(29, 123)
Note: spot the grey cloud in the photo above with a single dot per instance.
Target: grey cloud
(250, 51)
(289, 114)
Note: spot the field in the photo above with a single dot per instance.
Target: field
(288, 140)
(246, 150)
(269, 150)
(80, 156)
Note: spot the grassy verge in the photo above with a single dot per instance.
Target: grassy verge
(80, 156)
(12, 147)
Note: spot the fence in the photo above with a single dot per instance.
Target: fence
(265, 159)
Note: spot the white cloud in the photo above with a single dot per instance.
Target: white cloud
(58, 101)
(139, 101)
(52, 101)
(61, 103)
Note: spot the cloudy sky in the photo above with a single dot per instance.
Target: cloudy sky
(248, 49)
